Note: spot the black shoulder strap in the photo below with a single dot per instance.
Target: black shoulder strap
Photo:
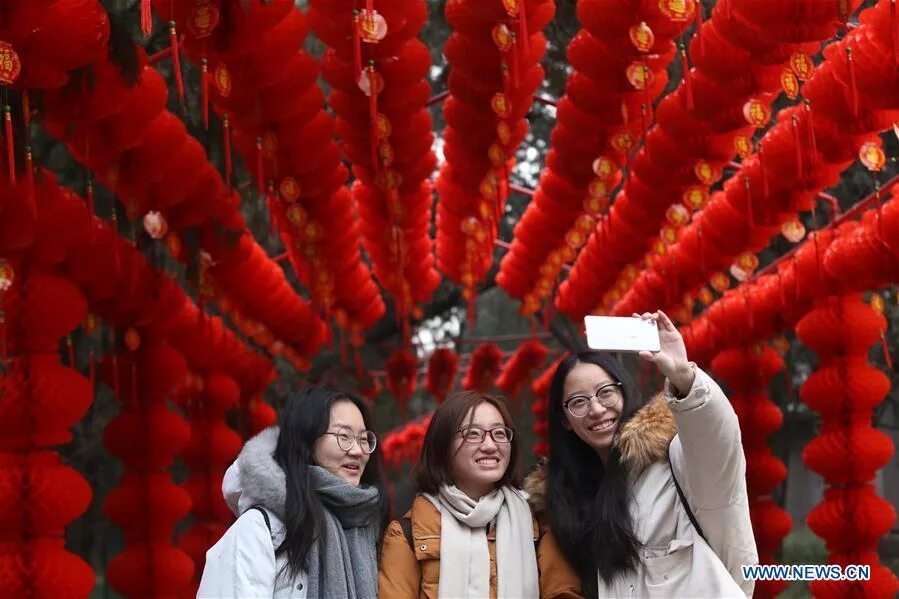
(406, 525)
(683, 500)
(268, 523)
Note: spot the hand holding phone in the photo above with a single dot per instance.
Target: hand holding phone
(622, 333)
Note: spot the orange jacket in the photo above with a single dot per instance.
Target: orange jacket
(414, 572)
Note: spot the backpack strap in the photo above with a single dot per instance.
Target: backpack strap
(683, 500)
(268, 523)
(406, 525)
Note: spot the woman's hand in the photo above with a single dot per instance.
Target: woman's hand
(671, 359)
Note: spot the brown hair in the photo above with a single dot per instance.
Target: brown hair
(435, 464)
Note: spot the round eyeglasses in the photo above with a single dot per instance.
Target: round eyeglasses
(367, 440)
(475, 434)
(607, 395)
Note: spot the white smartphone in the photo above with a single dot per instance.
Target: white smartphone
(621, 333)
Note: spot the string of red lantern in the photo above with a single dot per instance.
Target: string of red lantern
(747, 372)
(803, 156)
(402, 377)
(441, 376)
(848, 451)
(540, 389)
(404, 444)
(517, 371)
(377, 71)
(483, 368)
(619, 62)
(494, 50)
(739, 60)
(265, 86)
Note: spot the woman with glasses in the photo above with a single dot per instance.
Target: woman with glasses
(646, 500)
(311, 506)
(470, 532)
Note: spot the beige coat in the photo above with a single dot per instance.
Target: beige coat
(414, 573)
(703, 437)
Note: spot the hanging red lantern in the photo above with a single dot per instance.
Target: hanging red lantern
(442, 367)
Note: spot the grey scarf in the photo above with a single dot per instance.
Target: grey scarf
(343, 564)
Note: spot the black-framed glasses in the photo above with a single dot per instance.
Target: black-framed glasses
(367, 440)
(476, 434)
(607, 395)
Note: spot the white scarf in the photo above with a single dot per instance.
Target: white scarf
(464, 557)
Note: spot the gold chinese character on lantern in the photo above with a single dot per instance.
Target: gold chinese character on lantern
(503, 133)
(7, 275)
(668, 234)
(679, 11)
(488, 187)
(132, 339)
(705, 296)
(742, 146)
(270, 145)
(585, 223)
(388, 179)
(597, 189)
(638, 75)
(204, 19)
(289, 189)
(756, 113)
(511, 7)
(222, 78)
(622, 142)
(575, 239)
(604, 167)
(10, 65)
(801, 64)
(496, 154)
(502, 37)
(642, 37)
(659, 247)
(790, 84)
(872, 156)
(296, 215)
(371, 26)
(385, 153)
(877, 303)
(596, 205)
(705, 172)
(370, 81)
(677, 215)
(173, 243)
(695, 197)
(719, 282)
(793, 230)
(383, 128)
(501, 105)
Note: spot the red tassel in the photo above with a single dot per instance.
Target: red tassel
(373, 115)
(523, 30)
(472, 312)
(750, 217)
(357, 46)
(226, 128)
(10, 148)
(894, 30)
(817, 257)
(812, 142)
(852, 82)
(697, 33)
(763, 172)
(797, 142)
(688, 85)
(176, 60)
(115, 245)
(29, 180)
(204, 93)
(886, 350)
(26, 110)
(146, 17)
(260, 167)
(90, 204)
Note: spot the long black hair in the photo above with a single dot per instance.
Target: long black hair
(304, 418)
(588, 501)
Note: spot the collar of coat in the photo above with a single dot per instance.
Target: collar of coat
(643, 440)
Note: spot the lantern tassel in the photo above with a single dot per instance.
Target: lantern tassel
(523, 30)
(260, 167)
(697, 33)
(886, 351)
(797, 142)
(226, 129)
(357, 46)
(146, 17)
(176, 60)
(750, 217)
(373, 114)
(90, 203)
(688, 85)
(763, 172)
(852, 82)
(29, 181)
(204, 93)
(10, 148)
(812, 142)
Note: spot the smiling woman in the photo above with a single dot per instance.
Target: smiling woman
(310, 503)
(470, 532)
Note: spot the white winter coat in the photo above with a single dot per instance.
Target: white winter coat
(242, 565)
(701, 434)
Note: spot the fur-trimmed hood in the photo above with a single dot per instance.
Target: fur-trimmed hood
(642, 440)
(255, 478)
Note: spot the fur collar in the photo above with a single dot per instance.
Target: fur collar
(260, 475)
(643, 440)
